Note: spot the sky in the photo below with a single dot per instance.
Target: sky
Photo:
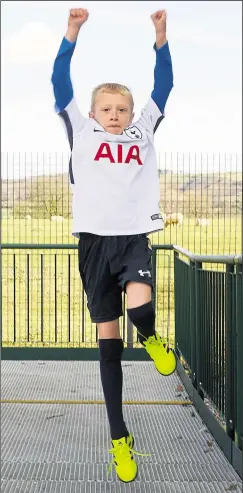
(204, 109)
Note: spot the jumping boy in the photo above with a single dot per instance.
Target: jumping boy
(115, 185)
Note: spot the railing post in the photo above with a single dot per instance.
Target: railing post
(28, 295)
(1, 291)
(229, 360)
(14, 295)
(154, 258)
(238, 268)
(192, 321)
(176, 256)
(198, 266)
(42, 296)
(239, 369)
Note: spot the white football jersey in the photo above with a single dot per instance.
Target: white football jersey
(114, 178)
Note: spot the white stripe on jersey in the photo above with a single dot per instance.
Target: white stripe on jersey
(114, 178)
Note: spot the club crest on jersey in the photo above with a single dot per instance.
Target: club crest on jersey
(133, 132)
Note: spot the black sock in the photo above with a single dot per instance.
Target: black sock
(143, 317)
(112, 379)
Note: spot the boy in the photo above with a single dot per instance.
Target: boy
(116, 195)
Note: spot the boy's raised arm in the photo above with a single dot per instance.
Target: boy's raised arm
(153, 113)
(61, 80)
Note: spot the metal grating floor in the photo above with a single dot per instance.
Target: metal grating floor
(64, 448)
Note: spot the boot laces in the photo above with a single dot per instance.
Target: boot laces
(157, 340)
(122, 453)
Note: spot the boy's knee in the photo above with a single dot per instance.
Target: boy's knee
(142, 316)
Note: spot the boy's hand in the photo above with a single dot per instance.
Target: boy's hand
(77, 17)
(159, 20)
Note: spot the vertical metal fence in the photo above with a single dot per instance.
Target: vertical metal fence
(205, 189)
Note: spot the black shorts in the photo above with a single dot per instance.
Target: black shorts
(106, 264)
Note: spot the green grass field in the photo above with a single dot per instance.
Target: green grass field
(55, 322)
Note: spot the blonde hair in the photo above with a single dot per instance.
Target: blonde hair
(112, 88)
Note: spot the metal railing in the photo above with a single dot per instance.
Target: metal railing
(44, 304)
(198, 309)
(209, 331)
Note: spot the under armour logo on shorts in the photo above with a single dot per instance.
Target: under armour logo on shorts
(142, 273)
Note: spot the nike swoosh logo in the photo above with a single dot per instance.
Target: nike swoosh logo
(97, 130)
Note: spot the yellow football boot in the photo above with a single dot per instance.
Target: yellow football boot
(125, 465)
(164, 357)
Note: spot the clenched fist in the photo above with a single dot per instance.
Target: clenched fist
(159, 20)
(77, 17)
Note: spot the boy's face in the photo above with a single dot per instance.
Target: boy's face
(113, 112)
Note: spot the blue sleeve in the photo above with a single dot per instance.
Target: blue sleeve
(163, 76)
(61, 80)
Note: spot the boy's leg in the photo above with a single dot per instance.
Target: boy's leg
(143, 317)
(111, 349)
(105, 307)
(136, 279)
